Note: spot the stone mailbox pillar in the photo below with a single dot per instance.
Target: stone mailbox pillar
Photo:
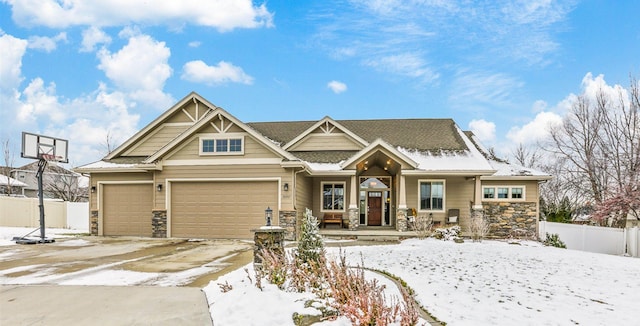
(270, 238)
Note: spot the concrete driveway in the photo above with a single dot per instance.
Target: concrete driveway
(113, 280)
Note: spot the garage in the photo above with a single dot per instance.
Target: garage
(127, 209)
(221, 209)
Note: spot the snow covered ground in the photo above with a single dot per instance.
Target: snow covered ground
(488, 283)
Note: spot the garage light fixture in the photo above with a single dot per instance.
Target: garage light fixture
(93, 189)
(159, 187)
(286, 187)
(268, 214)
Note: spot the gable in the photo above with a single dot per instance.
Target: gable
(156, 139)
(326, 137)
(219, 128)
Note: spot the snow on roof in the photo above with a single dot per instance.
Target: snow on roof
(324, 166)
(508, 169)
(107, 165)
(447, 161)
(5, 181)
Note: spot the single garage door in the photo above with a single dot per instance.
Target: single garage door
(127, 209)
(220, 209)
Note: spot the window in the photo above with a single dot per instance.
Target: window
(333, 196)
(489, 193)
(503, 192)
(221, 146)
(431, 195)
(516, 193)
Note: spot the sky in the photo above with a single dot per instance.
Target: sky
(92, 70)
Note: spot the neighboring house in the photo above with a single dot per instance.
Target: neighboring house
(58, 182)
(11, 186)
(198, 171)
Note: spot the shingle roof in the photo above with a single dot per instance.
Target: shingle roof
(324, 156)
(420, 134)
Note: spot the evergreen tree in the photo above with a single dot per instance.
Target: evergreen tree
(310, 246)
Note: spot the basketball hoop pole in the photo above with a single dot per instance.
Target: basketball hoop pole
(42, 164)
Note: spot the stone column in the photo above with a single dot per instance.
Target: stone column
(354, 219)
(289, 221)
(269, 238)
(401, 219)
(159, 223)
(93, 221)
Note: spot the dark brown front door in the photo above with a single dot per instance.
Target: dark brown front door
(375, 208)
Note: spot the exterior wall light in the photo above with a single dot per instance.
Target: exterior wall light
(268, 215)
(159, 187)
(93, 189)
(286, 187)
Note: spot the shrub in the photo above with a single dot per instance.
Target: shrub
(310, 246)
(422, 226)
(553, 240)
(479, 228)
(448, 234)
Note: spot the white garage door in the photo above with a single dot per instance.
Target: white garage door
(127, 209)
(220, 209)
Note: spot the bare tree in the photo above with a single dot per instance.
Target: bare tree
(9, 160)
(599, 140)
(65, 186)
(528, 157)
(108, 142)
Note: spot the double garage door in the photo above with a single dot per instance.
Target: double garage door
(220, 209)
(197, 209)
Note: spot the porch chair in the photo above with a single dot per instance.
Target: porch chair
(453, 216)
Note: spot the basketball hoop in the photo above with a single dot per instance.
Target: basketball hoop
(51, 159)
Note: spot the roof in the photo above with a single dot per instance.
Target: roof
(6, 181)
(419, 134)
(50, 168)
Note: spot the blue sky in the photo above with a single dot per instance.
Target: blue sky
(503, 69)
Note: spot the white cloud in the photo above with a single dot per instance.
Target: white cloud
(93, 36)
(481, 90)
(222, 15)
(11, 62)
(195, 44)
(337, 87)
(484, 130)
(46, 44)
(406, 64)
(535, 130)
(41, 101)
(199, 72)
(141, 65)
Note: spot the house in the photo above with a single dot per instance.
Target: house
(198, 171)
(58, 182)
(11, 187)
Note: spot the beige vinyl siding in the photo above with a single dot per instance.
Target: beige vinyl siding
(220, 172)
(191, 151)
(153, 142)
(113, 177)
(458, 194)
(304, 196)
(323, 142)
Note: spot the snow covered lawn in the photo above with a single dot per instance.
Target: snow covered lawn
(488, 283)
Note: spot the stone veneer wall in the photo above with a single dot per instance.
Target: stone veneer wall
(511, 218)
(289, 221)
(269, 238)
(93, 223)
(159, 224)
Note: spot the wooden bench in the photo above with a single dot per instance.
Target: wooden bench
(331, 218)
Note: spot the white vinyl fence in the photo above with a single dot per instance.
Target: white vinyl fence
(595, 238)
(25, 212)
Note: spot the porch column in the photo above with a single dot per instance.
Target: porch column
(354, 216)
(477, 199)
(401, 212)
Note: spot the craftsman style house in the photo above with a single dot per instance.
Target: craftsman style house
(198, 172)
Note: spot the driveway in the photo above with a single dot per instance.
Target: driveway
(114, 280)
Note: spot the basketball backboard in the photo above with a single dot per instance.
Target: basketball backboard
(50, 148)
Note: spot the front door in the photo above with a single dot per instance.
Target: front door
(374, 207)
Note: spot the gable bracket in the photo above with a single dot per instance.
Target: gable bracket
(327, 128)
(188, 115)
(222, 129)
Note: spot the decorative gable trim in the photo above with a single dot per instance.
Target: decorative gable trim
(193, 96)
(327, 126)
(379, 143)
(222, 127)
